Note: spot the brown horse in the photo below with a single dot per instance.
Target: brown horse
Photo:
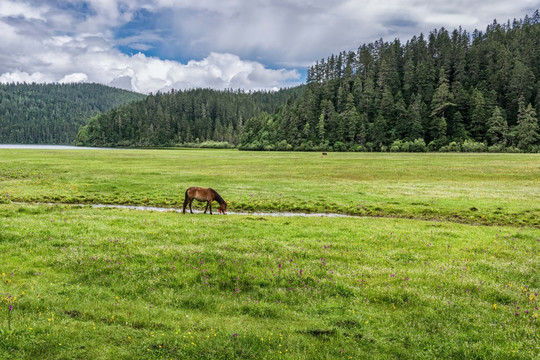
(204, 194)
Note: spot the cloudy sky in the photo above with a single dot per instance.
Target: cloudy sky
(151, 45)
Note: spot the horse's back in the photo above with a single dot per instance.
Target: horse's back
(199, 193)
(196, 189)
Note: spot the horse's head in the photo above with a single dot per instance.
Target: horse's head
(222, 207)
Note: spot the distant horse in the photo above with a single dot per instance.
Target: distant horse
(204, 194)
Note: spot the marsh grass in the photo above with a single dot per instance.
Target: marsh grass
(109, 283)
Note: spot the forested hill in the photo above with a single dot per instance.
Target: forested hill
(451, 90)
(53, 113)
(187, 117)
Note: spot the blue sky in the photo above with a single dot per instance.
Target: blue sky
(153, 45)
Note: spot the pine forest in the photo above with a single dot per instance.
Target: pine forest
(53, 113)
(448, 91)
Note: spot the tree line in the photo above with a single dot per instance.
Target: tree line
(53, 113)
(448, 91)
(183, 118)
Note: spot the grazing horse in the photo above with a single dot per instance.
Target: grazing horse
(204, 194)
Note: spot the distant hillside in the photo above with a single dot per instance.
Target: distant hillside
(182, 117)
(447, 91)
(53, 113)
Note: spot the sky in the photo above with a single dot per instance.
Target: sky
(157, 45)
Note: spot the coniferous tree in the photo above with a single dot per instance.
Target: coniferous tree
(497, 128)
(402, 125)
(409, 83)
(378, 132)
(459, 131)
(441, 102)
(414, 117)
(350, 119)
(478, 115)
(321, 131)
(527, 127)
(362, 129)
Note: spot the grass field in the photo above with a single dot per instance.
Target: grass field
(496, 189)
(448, 267)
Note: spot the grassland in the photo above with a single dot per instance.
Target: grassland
(496, 189)
(437, 280)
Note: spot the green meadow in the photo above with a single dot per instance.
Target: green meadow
(442, 260)
(494, 189)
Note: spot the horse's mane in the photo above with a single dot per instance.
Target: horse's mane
(219, 199)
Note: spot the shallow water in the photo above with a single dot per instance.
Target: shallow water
(159, 209)
(151, 208)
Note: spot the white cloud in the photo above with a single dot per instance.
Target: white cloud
(65, 59)
(219, 71)
(18, 9)
(30, 55)
(74, 78)
(22, 76)
(298, 32)
(78, 40)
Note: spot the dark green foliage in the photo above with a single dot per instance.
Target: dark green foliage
(478, 116)
(186, 118)
(53, 113)
(527, 128)
(454, 90)
(497, 128)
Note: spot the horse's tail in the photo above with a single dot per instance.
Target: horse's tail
(185, 202)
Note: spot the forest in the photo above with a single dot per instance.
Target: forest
(53, 113)
(448, 91)
(196, 117)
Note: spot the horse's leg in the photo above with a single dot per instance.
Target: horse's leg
(210, 207)
(206, 208)
(185, 204)
(190, 209)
